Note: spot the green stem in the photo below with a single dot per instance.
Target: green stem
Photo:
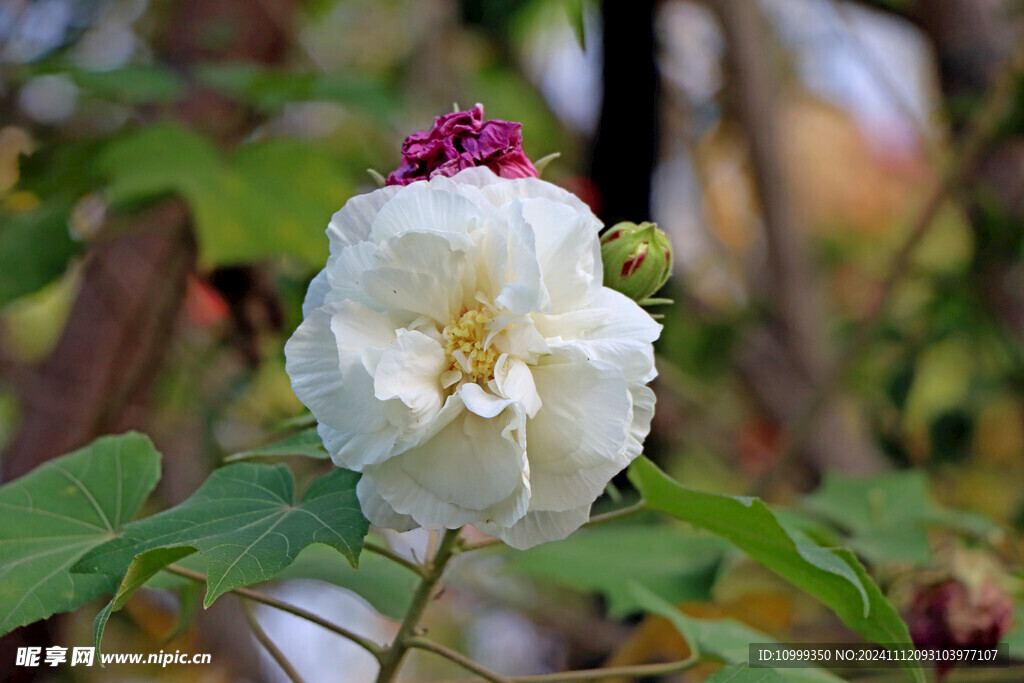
(458, 658)
(393, 556)
(633, 672)
(368, 645)
(391, 658)
(263, 639)
(636, 673)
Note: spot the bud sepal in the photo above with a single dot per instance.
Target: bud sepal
(637, 260)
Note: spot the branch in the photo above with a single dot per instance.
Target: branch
(391, 657)
(457, 657)
(983, 130)
(394, 557)
(784, 362)
(264, 599)
(268, 645)
(637, 672)
(790, 281)
(634, 672)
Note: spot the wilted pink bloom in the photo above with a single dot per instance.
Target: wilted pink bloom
(949, 614)
(462, 140)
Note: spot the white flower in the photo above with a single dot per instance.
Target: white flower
(460, 351)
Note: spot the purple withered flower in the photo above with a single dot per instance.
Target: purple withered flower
(462, 140)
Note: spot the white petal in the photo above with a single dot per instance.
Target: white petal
(410, 370)
(422, 251)
(345, 273)
(356, 330)
(316, 294)
(540, 527)
(568, 251)
(351, 224)
(377, 510)
(427, 208)
(477, 176)
(419, 274)
(353, 449)
(501, 191)
(520, 338)
(482, 403)
(577, 441)
(572, 325)
(627, 321)
(513, 380)
(517, 270)
(311, 361)
(614, 329)
(353, 424)
(458, 475)
(643, 413)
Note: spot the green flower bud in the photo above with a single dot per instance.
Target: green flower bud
(637, 259)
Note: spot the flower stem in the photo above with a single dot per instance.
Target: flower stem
(391, 658)
(458, 658)
(632, 672)
(268, 645)
(393, 556)
(365, 643)
(637, 672)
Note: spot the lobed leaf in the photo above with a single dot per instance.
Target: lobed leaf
(141, 570)
(247, 524)
(306, 443)
(57, 513)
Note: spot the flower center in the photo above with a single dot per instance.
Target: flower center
(464, 345)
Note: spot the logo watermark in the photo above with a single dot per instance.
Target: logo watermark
(86, 656)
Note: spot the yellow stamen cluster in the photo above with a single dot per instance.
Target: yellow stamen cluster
(464, 346)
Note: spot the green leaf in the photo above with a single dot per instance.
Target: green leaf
(141, 570)
(576, 11)
(34, 249)
(131, 84)
(725, 639)
(244, 519)
(306, 443)
(158, 159)
(1015, 638)
(58, 512)
(385, 585)
(833, 576)
(189, 599)
(672, 562)
(271, 89)
(887, 516)
(272, 197)
(292, 189)
(742, 673)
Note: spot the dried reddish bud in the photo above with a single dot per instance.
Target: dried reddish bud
(462, 140)
(951, 614)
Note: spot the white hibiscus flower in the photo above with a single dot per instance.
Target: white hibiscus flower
(460, 351)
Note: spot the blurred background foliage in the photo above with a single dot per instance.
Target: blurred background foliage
(850, 297)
